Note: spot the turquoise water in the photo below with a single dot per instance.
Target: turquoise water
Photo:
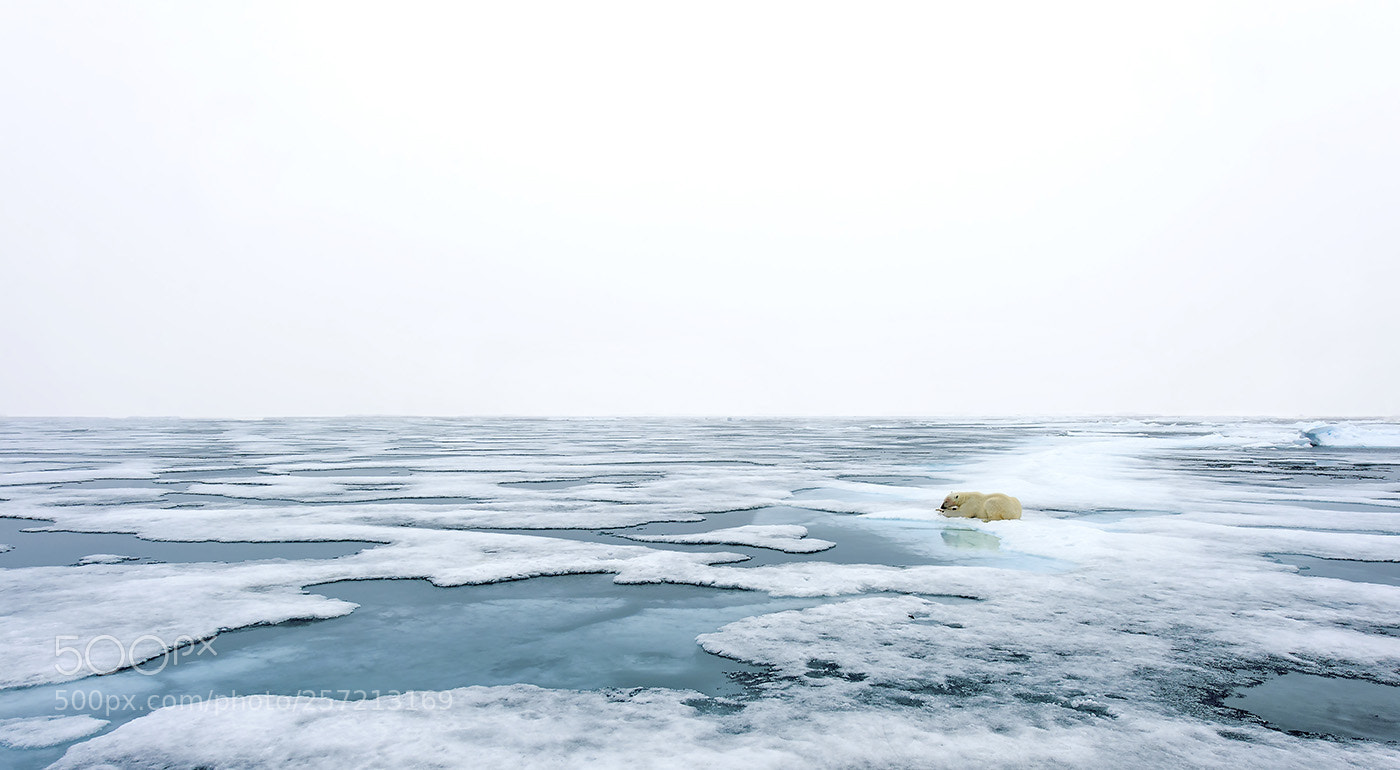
(578, 631)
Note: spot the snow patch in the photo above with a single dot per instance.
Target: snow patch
(791, 538)
(43, 732)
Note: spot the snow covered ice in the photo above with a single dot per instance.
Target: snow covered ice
(791, 538)
(43, 732)
(355, 593)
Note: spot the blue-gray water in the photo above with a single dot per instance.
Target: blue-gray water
(1349, 708)
(579, 631)
(1384, 572)
(61, 549)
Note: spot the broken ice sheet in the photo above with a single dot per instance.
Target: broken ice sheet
(1103, 627)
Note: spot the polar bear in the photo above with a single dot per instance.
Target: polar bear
(975, 505)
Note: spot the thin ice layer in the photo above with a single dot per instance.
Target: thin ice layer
(791, 538)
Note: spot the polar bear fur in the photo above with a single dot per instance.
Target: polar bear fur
(975, 505)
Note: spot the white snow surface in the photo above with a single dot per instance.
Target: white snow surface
(42, 732)
(524, 726)
(791, 538)
(1167, 599)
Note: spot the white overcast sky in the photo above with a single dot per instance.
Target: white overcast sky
(577, 208)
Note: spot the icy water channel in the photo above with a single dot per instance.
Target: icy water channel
(61, 549)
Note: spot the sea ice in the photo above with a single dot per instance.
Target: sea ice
(790, 538)
(1352, 434)
(42, 732)
(1108, 626)
(105, 558)
(530, 727)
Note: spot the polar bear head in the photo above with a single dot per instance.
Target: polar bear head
(951, 502)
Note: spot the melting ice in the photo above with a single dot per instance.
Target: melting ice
(680, 591)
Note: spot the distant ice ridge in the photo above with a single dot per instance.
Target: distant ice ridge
(1219, 470)
(1352, 434)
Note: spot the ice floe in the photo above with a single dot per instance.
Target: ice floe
(105, 558)
(42, 732)
(791, 538)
